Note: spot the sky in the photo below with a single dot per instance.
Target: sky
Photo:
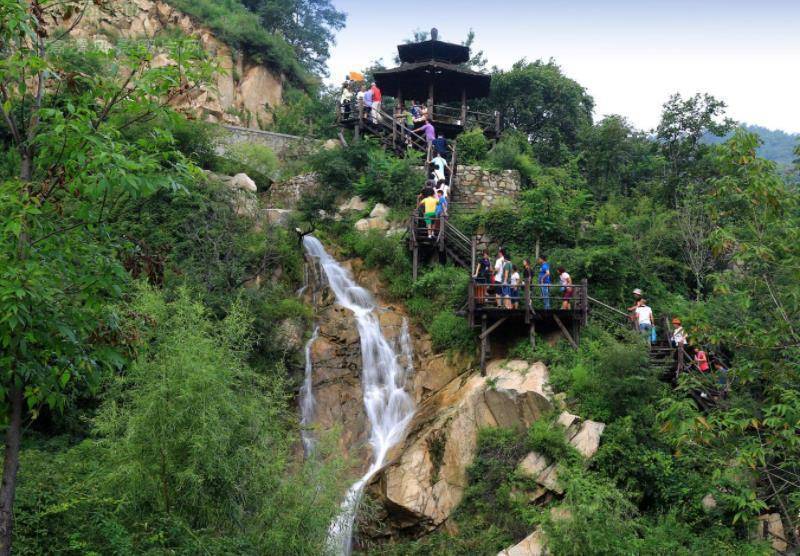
(629, 55)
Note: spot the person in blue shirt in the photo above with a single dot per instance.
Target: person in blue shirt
(544, 280)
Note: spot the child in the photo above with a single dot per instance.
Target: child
(515, 286)
(429, 205)
(701, 360)
(566, 287)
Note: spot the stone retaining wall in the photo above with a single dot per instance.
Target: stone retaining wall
(484, 188)
(280, 143)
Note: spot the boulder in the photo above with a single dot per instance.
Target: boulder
(587, 440)
(278, 217)
(770, 528)
(244, 182)
(532, 545)
(331, 144)
(354, 203)
(366, 224)
(532, 465)
(708, 502)
(426, 475)
(380, 210)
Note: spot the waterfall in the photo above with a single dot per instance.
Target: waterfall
(307, 399)
(388, 406)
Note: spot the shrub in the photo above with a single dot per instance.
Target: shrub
(257, 161)
(547, 437)
(449, 331)
(391, 180)
(472, 147)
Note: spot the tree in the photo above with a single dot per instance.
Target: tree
(308, 26)
(694, 228)
(616, 157)
(683, 124)
(537, 99)
(64, 111)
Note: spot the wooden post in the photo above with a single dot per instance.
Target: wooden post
(474, 252)
(533, 334)
(585, 302)
(360, 123)
(442, 233)
(463, 108)
(528, 301)
(471, 303)
(564, 330)
(414, 261)
(484, 344)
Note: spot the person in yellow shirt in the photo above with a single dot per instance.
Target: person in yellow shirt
(429, 204)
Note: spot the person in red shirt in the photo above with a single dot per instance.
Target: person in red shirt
(376, 102)
(701, 360)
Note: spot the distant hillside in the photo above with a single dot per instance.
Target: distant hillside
(778, 145)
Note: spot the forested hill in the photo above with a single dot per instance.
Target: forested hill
(778, 145)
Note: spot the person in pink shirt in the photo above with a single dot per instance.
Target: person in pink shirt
(376, 102)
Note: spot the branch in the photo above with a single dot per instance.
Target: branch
(7, 117)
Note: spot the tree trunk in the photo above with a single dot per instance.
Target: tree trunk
(10, 466)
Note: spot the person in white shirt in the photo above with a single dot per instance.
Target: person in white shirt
(515, 287)
(644, 317)
(498, 276)
(567, 290)
(439, 165)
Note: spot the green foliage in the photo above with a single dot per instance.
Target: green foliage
(548, 438)
(472, 146)
(257, 161)
(450, 332)
(306, 113)
(307, 25)
(241, 29)
(546, 106)
(195, 139)
(390, 180)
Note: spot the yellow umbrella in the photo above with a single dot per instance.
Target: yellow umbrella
(356, 76)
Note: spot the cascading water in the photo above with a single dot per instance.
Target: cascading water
(388, 406)
(307, 399)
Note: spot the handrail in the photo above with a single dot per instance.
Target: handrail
(593, 300)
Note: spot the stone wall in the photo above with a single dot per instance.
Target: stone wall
(288, 193)
(484, 188)
(281, 144)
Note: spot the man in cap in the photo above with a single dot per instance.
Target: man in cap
(637, 297)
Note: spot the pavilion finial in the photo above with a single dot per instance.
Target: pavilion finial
(434, 34)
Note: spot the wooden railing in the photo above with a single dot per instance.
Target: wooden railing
(466, 118)
(532, 296)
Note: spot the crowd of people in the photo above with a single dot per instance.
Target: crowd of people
(414, 117)
(502, 283)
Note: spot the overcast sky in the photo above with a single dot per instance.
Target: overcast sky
(630, 55)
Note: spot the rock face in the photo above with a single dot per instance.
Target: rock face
(287, 194)
(479, 186)
(426, 476)
(354, 204)
(241, 92)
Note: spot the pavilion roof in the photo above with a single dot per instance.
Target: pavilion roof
(448, 81)
(433, 50)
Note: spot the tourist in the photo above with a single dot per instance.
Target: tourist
(701, 360)
(346, 100)
(367, 103)
(416, 112)
(637, 296)
(566, 288)
(527, 272)
(515, 286)
(544, 281)
(441, 208)
(429, 204)
(430, 133)
(722, 374)
(376, 103)
(440, 145)
(482, 276)
(644, 318)
(498, 275)
(508, 270)
(441, 184)
(679, 337)
(439, 167)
